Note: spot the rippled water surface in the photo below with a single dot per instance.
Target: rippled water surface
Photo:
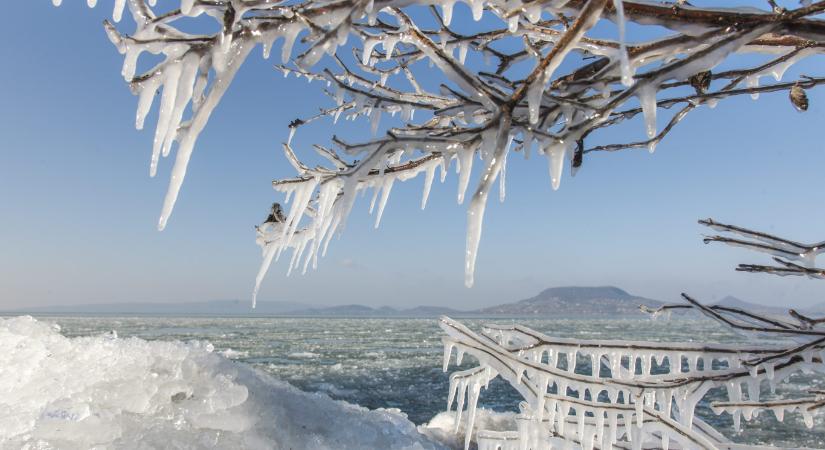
(396, 363)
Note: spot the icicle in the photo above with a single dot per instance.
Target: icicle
(647, 99)
(627, 74)
(171, 76)
(464, 168)
(562, 417)
(628, 426)
(735, 395)
(595, 364)
(193, 129)
(752, 81)
(534, 94)
(753, 390)
(639, 402)
(778, 71)
(117, 13)
(494, 143)
(429, 175)
(769, 372)
(472, 402)
(779, 412)
(269, 253)
(447, 11)
(291, 32)
(477, 7)
(462, 391)
(448, 351)
(462, 52)
(580, 422)
(615, 367)
(502, 181)
(512, 23)
(571, 361)
(599, 428)
(266, 48)
(533, 12)
(613, 419)
(389, 46)
(808, 417)
(540, 398)
(189, 71)
(555, 154)
(146, 96)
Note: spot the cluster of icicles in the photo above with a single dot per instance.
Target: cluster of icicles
(196, 70)
(600, 393)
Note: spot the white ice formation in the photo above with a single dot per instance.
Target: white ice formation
(110, 392)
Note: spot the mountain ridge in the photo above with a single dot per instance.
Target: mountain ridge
(561, 301)
(569, 301)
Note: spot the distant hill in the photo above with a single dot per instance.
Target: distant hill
(567, 301)
(571, 301)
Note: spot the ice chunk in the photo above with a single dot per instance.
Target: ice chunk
(109, 392)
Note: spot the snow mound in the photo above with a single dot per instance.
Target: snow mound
(73, 393)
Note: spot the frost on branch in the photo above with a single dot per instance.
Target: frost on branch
(503, 89)
(587, 394)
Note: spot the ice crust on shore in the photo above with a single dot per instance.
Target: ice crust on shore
(109, 392)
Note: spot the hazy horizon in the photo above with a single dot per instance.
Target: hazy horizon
(244, 305)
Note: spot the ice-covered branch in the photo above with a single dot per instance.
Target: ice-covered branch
(553, 113)
(603, 394)
(784, 251)
(492, 92)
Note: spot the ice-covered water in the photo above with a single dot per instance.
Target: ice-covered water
(396, 363)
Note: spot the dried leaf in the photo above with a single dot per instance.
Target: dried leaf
(578, 156)
(701, 81)
(799, 98)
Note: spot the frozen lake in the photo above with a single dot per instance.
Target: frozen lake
(396, 363)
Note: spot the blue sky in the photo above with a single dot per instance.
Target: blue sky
(79, 209)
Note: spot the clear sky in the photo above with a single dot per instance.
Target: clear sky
(78, 210)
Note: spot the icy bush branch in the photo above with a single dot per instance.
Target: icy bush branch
(784, 251)
(620, 394)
